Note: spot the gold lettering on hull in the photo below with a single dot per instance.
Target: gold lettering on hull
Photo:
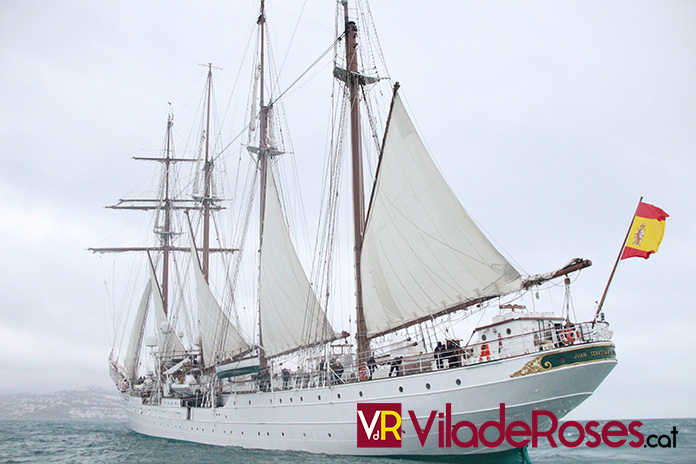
(555, 360)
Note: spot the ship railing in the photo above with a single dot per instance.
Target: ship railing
(483, 351)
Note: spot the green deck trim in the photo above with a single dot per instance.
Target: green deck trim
(511, 456)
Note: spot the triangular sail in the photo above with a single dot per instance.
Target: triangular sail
(422, 253)
(291, 316)
(219, 337)
(168, 341)
(136, 338)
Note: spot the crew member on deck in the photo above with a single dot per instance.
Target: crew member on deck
(453, 352)
(438, 355)
(286, 378)
(336, 372)
(372, 365)
(396, 366)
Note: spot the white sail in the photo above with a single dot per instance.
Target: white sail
(422, 253)
(219, 338)
(291, 316)
(168, 340)
(136, 337)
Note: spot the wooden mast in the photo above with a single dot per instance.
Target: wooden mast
(353, 83)
(263, 161)
(207, 169)
(166, 233)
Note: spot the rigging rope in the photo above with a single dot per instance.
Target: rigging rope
(331, 47)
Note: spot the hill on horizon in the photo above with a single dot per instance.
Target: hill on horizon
(84, 403)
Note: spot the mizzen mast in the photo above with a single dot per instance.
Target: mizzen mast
(353, 83)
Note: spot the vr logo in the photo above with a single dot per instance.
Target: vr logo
(379, 425)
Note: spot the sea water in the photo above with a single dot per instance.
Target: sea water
(33, 441)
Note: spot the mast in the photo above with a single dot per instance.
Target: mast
(353, 83)
(263, 160)
(164, 203)
(207, 169)
(166, 233)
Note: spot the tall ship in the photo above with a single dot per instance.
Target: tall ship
(285, 372)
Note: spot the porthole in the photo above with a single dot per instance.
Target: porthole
(319, 397)
(249, 401)
(338, 395)
(508, 331)
(401, 389)
(304, 434)
(360, 393)
(301, 399)
(483, 337)
(291, 399)
(427, 386)
(280, 400)
(242, 433)
(458, 382)
(259, 434)
(329, 435)
(282, 434)
(268, 434)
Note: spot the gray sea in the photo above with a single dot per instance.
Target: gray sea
(35, 441)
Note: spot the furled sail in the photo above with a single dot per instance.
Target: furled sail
(291, 316)
(422, 254)
(136, 338)
(219, 337)
(168, 340)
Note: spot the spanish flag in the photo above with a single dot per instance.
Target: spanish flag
(646, 232)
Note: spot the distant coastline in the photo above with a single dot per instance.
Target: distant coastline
(84, 403)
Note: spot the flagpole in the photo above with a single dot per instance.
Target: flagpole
(616, 264)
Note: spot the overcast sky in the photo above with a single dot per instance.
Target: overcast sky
(549, 120)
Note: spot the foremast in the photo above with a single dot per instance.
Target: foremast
(207, 173)
(164, 205)
(157, 288)
(166, 233)
(216, 325)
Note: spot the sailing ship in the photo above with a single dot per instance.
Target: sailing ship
(420, 264)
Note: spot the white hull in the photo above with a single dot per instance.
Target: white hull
(323, 419)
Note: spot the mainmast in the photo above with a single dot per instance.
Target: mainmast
(353, 83)
(263, 159)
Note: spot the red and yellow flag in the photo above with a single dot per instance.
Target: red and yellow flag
(646, 232)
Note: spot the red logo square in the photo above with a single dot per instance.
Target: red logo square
(379, 425)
